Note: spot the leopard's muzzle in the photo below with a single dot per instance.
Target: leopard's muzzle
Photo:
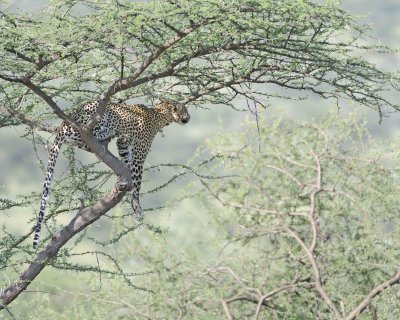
(185, 119)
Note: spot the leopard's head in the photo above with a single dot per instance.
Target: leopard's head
(178, 112)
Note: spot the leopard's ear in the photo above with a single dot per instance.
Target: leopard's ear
(175, 108)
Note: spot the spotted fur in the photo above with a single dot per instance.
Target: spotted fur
(134, 126)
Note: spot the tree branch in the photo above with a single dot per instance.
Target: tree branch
(310, 250)
(49, 100)
(317, 273)
(26, 81)
(374, 292)
(83, 219)
(27, 120)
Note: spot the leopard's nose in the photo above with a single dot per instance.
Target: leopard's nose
(185, 119)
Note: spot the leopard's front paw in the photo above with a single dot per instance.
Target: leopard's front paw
(122, 185)
(137, 210)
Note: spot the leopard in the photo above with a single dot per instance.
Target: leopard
(134, 126)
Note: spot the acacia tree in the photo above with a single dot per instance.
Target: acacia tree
(193, 52)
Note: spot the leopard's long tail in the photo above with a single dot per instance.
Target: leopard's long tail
(55, 149)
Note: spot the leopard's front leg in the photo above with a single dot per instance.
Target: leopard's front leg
(103, 133)
(134, 156)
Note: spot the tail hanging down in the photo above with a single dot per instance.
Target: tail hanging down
(55, 149)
